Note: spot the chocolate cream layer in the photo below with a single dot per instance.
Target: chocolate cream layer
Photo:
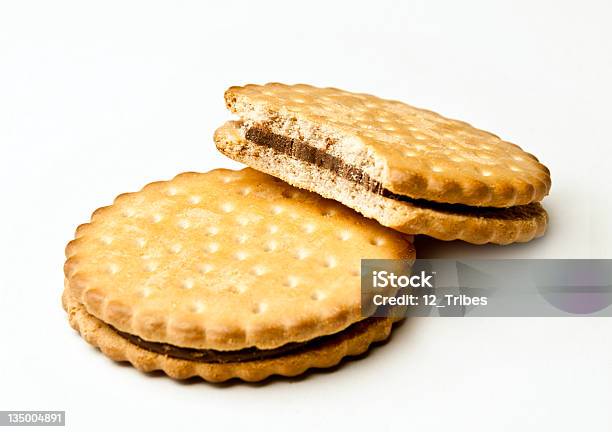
(246, 354)
(303, 151)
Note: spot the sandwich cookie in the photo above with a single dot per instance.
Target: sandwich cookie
(408, 168)
(226, 274)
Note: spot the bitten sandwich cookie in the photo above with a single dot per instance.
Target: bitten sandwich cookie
(225, 274)
(410, 169)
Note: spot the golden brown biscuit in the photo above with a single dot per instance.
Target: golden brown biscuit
(442, 221)
(389, 160)
(228, 264)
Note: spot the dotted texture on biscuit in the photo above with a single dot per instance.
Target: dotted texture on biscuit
(225, 260)
(425, 155)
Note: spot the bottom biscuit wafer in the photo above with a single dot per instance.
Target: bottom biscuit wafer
(352, 341)
(226, 274)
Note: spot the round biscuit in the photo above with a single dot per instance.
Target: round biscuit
(448, 222)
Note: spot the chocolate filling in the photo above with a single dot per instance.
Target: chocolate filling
(246, 354)
(301, 150)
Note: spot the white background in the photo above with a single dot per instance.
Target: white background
(99, 99)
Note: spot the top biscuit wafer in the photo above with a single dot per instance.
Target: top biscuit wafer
(411, 151)
(225, 260)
